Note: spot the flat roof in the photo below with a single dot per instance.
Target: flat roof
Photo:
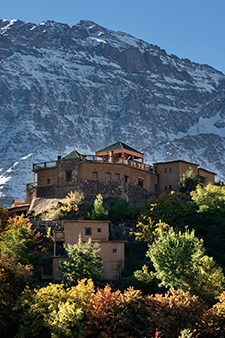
(211, 172)
(172, 161)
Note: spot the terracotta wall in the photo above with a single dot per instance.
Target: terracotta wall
(209, 177)
(112, 254)
(170, 172)
(98, 230)
(128, 173)
(47, 174)
(168, 176)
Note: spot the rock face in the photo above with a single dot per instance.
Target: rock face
(85, 86)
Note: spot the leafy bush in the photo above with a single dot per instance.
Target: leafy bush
(14, 277)
(119, 210)
(54, 311)
(210, 199)
(99, 211)
(171, 209)
(67, 208)
(188, 181)
(213, 320)
(130, 314)
(180, 262)
(82, 261)
(19, 240)
(148, 230)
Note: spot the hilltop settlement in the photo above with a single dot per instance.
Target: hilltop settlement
(150, 238)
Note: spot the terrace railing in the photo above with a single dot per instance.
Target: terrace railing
(42, 165)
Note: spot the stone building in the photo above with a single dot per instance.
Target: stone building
(115, 171)
(111, 252)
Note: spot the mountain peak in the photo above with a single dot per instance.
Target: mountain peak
(87, 86)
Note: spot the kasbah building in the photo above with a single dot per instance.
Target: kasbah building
(115, 171)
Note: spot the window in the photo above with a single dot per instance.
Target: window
(156, 187)
(165, 170)
(141, 182)
(88, 231)
(68, 176)
(117, 177)
(94, 174)
(99, 230)
(108, 176)
(156, 169)
(114, 250)
(165, 187)
(170, 187)
(48, 181)
(126, 178)
(170, 170)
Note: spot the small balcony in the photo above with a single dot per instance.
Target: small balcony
(44, 165)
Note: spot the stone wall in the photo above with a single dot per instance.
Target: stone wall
(91, 188)
(106, 188)
(72, 166)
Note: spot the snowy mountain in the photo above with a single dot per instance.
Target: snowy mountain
(85, 86)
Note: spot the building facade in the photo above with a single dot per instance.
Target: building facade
(115, 171)
(111, 252)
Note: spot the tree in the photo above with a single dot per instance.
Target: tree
(209, 219)
(100, 312)
(168, 208)
(180, 262)
(145, 281)
(67, 208)
(210, 199)
(14, 277)
(82, 261)
(3, 216)
(147, 230)
(213, 320)
(54, 311)
(99, 212)
(19, 240)
(188, 181)
(119, 210)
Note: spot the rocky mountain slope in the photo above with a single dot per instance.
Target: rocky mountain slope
(85, 86)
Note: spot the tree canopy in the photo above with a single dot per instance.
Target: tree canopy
(188, 181)
(180, 262)
(81, 261)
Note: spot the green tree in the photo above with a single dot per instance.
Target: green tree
(82, 261)
(19, 240)
(188, 181)
(210, 199)
(209, 219)
(180, 262)
(99, 212)
(147, 230)
(171, 208)
(119, 210)
(14, 277)
(145, 281)
(54, 311)
(67, 208)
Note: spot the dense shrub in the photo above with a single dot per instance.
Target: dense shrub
(54, 311)
(82, 261)
(14, 277)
